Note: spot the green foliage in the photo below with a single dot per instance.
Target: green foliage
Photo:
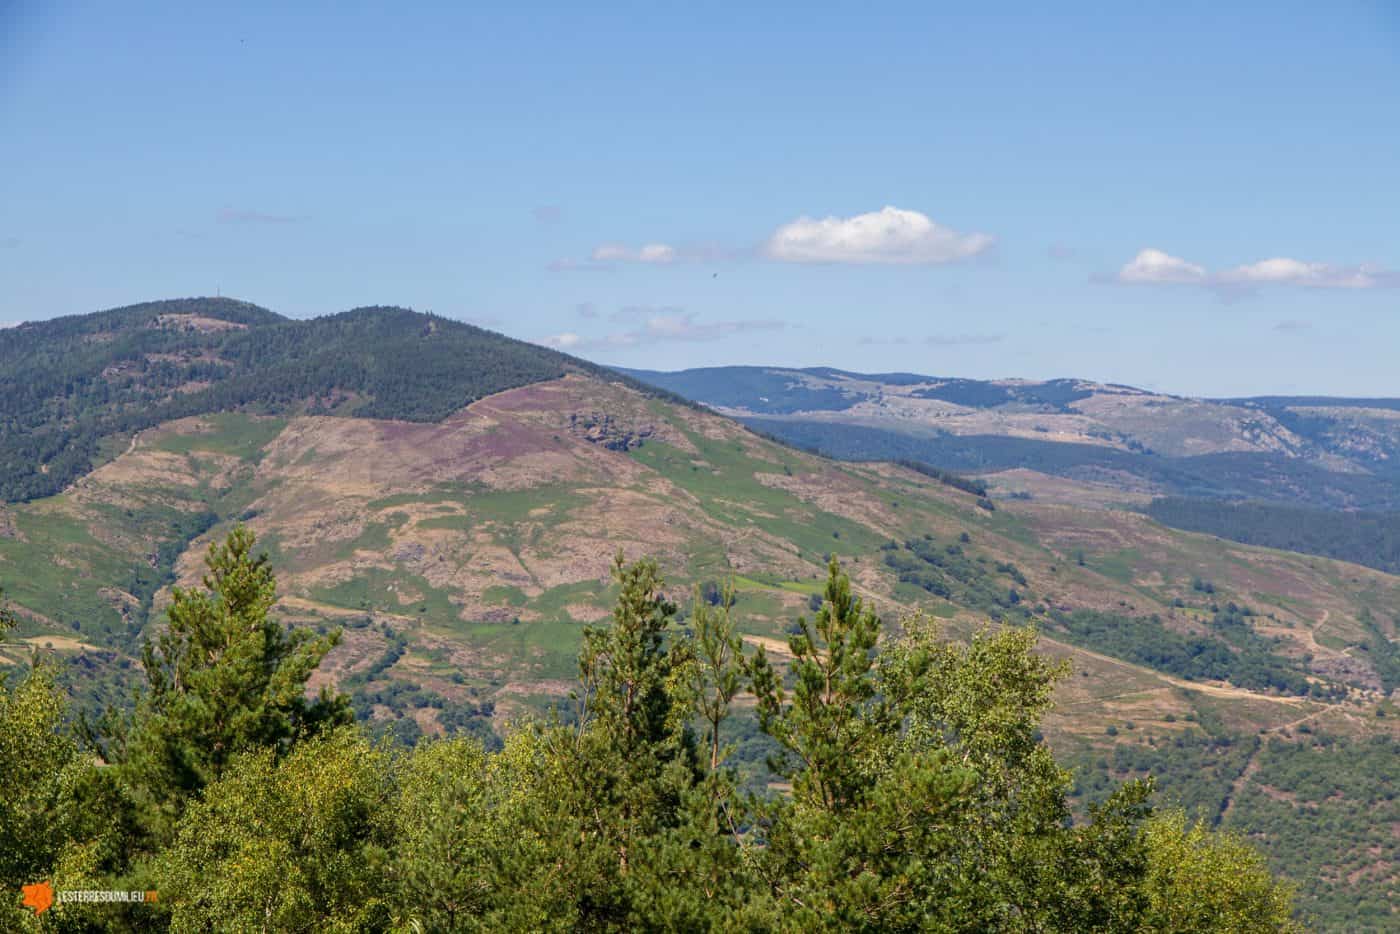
(950, 572)
(1199, 880)
(832, 725)
(37, 769)
(1347, 789)
(1368, 538)
(719, 669)
(948, 478)
(59, 820)
(1383, 652)
(1232, 652)
(223, 678)
(922, 796)
(1194, 770)
(296, 845)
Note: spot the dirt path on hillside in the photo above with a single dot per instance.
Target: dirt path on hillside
(1245, 775)
(771, 646)
(1317, 647)
(1213, 688)
(1252, 765)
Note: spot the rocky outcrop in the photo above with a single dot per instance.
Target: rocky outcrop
(601, 428)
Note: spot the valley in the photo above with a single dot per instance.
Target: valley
(462, 549)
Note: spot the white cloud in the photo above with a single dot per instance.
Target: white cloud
(620, 253)
(562, 341)
(656, 253)
(239, 216)
(667, 325)
(889, 236)
(632, 312)
(963, 340)
(1285, 271)
(684, 326)
(566, 264)
(609, 252)
(1156, 266)
(935, 340)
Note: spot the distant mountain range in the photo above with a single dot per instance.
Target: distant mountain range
(1301, 450)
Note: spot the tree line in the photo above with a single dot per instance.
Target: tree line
(1367, 538)
(911, 790)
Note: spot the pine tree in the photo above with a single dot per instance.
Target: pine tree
(718, 674)
(831, 725)
(223, 678)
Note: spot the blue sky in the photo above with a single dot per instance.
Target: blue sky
(1197, 197)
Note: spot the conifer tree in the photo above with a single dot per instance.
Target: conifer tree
(223, 678)
(718, 673)
(831, 725)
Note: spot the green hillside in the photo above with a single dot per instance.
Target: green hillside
(464, 549)
(71, 388)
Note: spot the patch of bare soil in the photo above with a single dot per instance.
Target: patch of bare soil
(195, 324)
(838, 493)
(8, 529)
(1044, 488)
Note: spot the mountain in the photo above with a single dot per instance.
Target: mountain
(1325, 452)
(452, 499)
(69, 385)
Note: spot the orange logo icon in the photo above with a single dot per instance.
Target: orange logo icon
(38, 896)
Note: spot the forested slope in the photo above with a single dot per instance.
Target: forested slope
(69, 384)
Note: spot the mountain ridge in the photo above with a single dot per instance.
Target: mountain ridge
(72, 385)
(1342, 453)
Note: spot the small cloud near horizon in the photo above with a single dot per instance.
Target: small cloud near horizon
(656, 253)
(237, 216)
(566, 264)
(1156, 267)
(484, 321)
(962, 340)
(935, 340)
(672, 325)
(644, 311)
